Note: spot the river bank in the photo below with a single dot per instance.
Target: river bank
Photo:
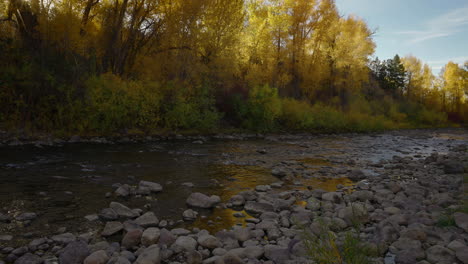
(401, 184)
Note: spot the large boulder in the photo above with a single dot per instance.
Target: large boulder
(122, 210)
(152, 186)
(151, 255)
(147, 220)
(258, 207)
(150, 236)
(74, 253)
(203, 201)
(98, 257)
(461, 220)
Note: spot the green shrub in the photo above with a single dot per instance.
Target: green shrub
(297, 114)
(263, 108)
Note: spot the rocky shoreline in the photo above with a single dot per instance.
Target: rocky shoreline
(401, 210)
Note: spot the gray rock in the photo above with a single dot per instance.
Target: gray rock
(277, 172)
(29, 258)
(258, 207)
(122, 210)
(64, 238)
(152, 186)
(189, 215)
(132, 238)
(4, 218)
(440, 255)
(219, 251)
(461, 220)
(262, 188)
(147, 220)
(202, 201)
(334, 197)
(112, 228)
(74, 253)
(453, 167)
(108, 214)
(150, 236)
(166, 237)
(313, 204)
(254, 252)
(194, 257)
(180, 231)
(26, 217)
(232, 259)
(98, 257)
(151, 255)
(184, 243)
(6, 237)
(237, 200)
(209, 241)
(462, 254)
(277, 254)
(123, 191)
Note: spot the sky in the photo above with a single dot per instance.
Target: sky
(435, 31)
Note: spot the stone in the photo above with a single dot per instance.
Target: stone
(166, 237)
(64, 238)
(148, 219)
(392, 210)
(189, 215)
(462, 254)
(194, 257)
(150, 236)
(277, 172)
(26, 217)
(152, 186)
(277, 254)
(202, 201)
(112, 228)
(453, 167)
(6, 237)
(209, 241)
(356, 175)
(461, 220)
(122, 210)
(313, 204)
(108, 214)
(262, 188)
(184, 243)
(237, 200)
(4, 218)
(123, 191)
(440, 255)
(132, 238)
(254, 252)
(180, 231)
(232, 259)
(356, 212)
(97, 257)
(258, 207)
(334, 197)
(29, 258)
(150, 255)
(74, 253)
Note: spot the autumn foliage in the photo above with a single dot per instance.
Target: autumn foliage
(115, 65)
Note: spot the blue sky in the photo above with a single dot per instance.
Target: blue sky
(435, 31)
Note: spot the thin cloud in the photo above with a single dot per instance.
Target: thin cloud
(437, 65)
(442, 26)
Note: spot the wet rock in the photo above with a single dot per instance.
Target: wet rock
(150, 236)
(461, 220)
(64, 238)
(132, 238)
(122, 210)
(26, 217)
(184, 243)
(277, 254)
(440, 255)
(334, 197)
(262, 188)
(92, 217)
(107, 214)
(29, 258)
(112, 228)
(150, 255)
(147, 220)
(249, 195)
(74, 253)
(194, 257)
(208, 241)
(188, 184)
(202, 201)
(237, 200)
(98, 257)
(152, 186)
(123, 191)
(258, 207)
(166, 237)
(189, 215)
(6, 237)
(277, 172)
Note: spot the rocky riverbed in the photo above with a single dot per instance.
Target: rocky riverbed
(406, 189)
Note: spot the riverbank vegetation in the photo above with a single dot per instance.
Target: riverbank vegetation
(112, 66)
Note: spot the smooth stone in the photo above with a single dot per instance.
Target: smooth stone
(150, 255)
(132, 238)
(74, 253)
(202, 201)
(147, 220)
(150, 236)
(98, 257)
(122, 210)
(152, 186)
(112, 228)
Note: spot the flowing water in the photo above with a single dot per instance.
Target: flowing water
(64, 184)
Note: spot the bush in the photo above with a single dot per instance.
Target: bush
(297, 114)
(263, 108)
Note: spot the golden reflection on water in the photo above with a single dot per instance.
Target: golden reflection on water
(315, 162)
(237, 178)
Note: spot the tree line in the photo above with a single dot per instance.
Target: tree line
(117, 65)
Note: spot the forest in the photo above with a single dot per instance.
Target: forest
(133, 66)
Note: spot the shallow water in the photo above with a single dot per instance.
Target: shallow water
(64, 184)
